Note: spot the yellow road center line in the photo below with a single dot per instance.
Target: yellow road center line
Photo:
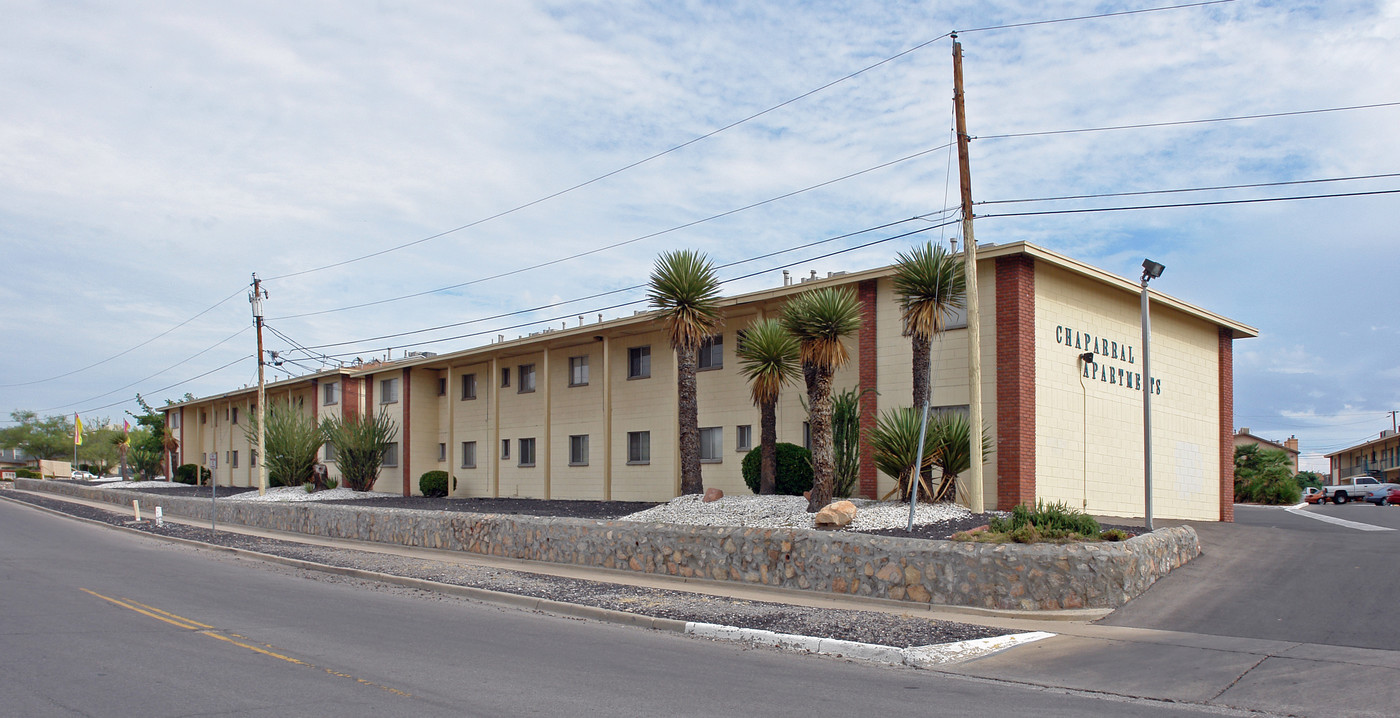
(205, 629)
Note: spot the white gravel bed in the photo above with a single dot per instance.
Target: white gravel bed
(789, 512)
(288, 493)
(115, 482)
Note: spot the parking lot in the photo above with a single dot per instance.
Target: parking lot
(1316, 574)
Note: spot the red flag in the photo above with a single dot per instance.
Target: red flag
(126, 426)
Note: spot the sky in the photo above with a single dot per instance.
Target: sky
(388, 167)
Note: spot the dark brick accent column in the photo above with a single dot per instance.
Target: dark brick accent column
(316, 401)
(1015, 311)
(1227, 425)
(405, 444)
(869, 378)
(350, 397)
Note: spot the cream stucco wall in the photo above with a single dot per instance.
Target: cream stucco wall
(1089, 429)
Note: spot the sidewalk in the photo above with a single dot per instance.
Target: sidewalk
(1222, 672)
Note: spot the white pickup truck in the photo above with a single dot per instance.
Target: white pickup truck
(1354, 488)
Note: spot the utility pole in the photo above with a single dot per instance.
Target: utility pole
(255, 297)
(1392, 420)
(974, 325)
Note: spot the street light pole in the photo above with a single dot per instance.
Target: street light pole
(1150, 270)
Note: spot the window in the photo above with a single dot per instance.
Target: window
(578, 450)
(469, 454)
(578, 371)
(442, 452)
(234, 413)
(391, 454)
(639, 447)
(712, 353)
(233, 459)
(203, 417)
(468, 386)
(527, 379)
(330, 394)
(175, 420)
(743, 437)
(807, 435)
(527, 452)
(253, 457)
(389, 391)
(505, 448)
(330, 453)
(712, 444)
(442, 386)
(505, 376)
(639, 362)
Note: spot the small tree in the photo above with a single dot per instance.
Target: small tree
(290, 441)
(360, 442)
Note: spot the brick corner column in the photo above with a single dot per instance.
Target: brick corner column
(1227, 424)
(1015, 352)
(869, 379)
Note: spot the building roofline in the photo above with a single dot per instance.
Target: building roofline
(1384, 437)
(1273, 444)
(280, 384)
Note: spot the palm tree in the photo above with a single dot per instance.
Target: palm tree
(123, 442)
(931, 289)
(170, 444)
(818, 320)
(768, 357)
(685, 288)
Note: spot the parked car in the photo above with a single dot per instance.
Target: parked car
(1385, 498)
(80, 475)
(1354, 487)
(1312, 495)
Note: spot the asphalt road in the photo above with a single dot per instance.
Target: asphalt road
(1282, 575)
(101, 623)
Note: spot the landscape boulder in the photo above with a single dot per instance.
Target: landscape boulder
(711, 495)
(836, 515)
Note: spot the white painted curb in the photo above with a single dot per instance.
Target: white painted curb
(916, 656)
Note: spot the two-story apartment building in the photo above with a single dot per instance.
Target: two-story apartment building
(589, 410)
(1378, 457)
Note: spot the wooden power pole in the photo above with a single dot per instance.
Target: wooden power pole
(974, 326)
(256, 297)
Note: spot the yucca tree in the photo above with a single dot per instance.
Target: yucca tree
(951, 433)
(685, 288)
(819, 319)
(360, 441)
(931, 288)
(170, 444)
(769, 357)
(895, 444)
(123, 444)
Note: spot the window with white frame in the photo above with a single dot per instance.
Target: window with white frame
(711, 353)
(233, 413)
(442, 451)
(329, 453)
(527, 379)
(639, 362)
(468, 386)
(639, 447)
(505, 376)
(505, 449)
(527, 452)
(712, 444)
(330, 393)
(175, 420)
(233, 459)
(391, 454)
(743, 437)
(389, 391)
(578, 450)
(578, 371)
(469, 454)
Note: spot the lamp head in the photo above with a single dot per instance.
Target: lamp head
(1151, 269)
(1087, 357)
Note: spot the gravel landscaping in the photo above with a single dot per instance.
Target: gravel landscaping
(862, 626)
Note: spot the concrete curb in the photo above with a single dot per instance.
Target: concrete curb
(931, 656)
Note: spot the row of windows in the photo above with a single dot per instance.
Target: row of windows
(638, 447)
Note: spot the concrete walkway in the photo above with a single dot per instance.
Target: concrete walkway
(1217, 672)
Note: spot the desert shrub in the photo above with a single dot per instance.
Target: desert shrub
(360, 442)
(845, 437)
(433, 483)
(23, 473)
(1114, 535)
(794, 469)
(185, 474)
(292, 440)
(1272, 485)
(1045, 522)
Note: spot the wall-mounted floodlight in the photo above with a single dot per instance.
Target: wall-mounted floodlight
(1151, 270)
(1087, 357)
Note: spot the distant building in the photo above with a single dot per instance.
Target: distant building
(1288, 446)
(588, 410)
(1379, 457)
(15, 458)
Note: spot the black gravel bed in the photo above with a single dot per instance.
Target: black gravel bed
(527, 507)
(862, 626)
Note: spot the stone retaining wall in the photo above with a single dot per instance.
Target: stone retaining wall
(1005, 576)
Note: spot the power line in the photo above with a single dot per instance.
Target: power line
(1186, 122)
(1253, 200)
(1188, 189)
(615, 245)
(1095, 17)
(167, 388)
(128, 351)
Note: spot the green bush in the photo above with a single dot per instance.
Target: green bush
(185, 473)
(794, 469)
(433, 483)
(1046, 522)
(26, 474)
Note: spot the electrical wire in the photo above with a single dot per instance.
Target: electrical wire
(1188, 189)
(623, 243)
(128, 351)
(1253, 200)
(1095, 17)
(1173, 123)
(166, 388)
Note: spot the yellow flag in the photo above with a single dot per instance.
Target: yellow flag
(77, 430)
